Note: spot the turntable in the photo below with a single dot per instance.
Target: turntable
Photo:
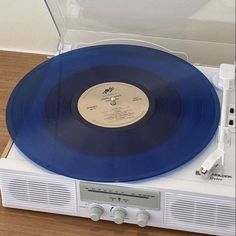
(119, 128)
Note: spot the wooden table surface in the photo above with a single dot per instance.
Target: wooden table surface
(13, 66)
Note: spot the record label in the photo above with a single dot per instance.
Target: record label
(113, 104)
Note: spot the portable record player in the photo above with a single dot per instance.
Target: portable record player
(193, 193)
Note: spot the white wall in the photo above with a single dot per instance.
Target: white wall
(26, 25)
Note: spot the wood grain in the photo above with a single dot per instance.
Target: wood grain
(13, 66)
(13, 222)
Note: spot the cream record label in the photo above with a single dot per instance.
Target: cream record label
(113, 104)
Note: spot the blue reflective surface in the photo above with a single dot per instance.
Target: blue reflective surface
(44, 122)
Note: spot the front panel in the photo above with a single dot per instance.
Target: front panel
(120, 203)
(165, 208)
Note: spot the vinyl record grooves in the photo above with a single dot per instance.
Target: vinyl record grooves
(113, 113)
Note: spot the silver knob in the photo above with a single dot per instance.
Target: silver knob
(96, 213)
(142, 218)
(113, 101)
(119, 215)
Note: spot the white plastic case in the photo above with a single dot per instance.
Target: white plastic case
(200, 31)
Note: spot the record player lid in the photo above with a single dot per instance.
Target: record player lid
(202, 29)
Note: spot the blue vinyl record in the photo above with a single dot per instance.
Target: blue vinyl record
(45, 123)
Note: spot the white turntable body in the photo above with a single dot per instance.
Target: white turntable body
(181, 199)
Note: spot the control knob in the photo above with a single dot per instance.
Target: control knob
(142, 218)
(119, 215)
(96, 212)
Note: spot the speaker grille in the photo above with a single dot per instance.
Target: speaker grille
(39, 193)
(192, 212)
